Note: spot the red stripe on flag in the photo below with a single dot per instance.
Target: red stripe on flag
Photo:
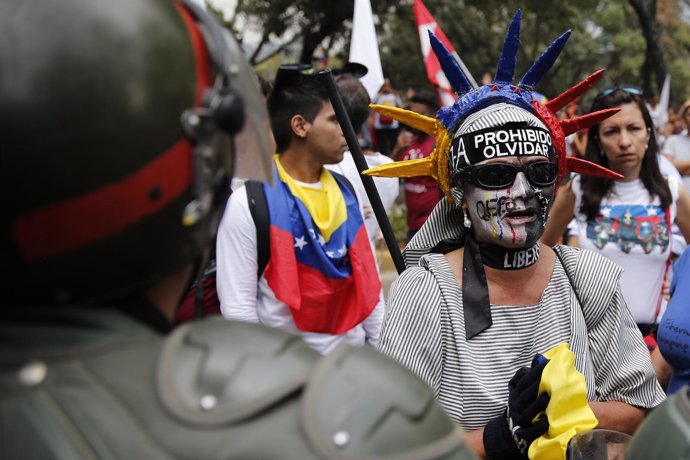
(281, 269)
(425, 21)
(318, 303)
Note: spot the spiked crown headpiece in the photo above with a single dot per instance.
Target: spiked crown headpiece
(500, 90)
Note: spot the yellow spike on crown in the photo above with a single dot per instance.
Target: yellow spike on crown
(414, 119)
(435, 165)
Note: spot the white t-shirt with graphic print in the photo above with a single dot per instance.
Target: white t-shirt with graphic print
(632, 230)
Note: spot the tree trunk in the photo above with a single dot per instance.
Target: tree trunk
(654, 66)
(255, 54)
(329, 22)
(309, 45)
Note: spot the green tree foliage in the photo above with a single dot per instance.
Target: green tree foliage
(675, 42)
(626, 49)
(476, 30)
(312, 23)
(605, 34)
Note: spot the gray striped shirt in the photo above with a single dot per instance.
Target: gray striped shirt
(424, 330)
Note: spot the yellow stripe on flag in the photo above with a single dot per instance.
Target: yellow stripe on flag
(326, 205)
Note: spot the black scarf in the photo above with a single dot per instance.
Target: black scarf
(475, 290)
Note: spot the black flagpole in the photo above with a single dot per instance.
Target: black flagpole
(357, 155)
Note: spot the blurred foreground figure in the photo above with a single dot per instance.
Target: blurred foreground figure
(122, 125)
(666, 431)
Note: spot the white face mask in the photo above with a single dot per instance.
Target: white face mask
(513, 217)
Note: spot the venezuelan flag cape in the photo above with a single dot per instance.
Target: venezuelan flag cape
(322, 267)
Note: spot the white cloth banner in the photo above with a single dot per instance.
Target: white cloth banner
(660, 112)
(364, 48)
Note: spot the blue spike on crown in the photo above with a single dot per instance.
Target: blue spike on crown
(507, 61)
(501, 89)
(544, 62)
(456, 77)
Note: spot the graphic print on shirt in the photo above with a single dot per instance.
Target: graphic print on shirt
(630, 226)
(415, 153)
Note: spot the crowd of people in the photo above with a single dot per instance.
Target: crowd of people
(182, 282)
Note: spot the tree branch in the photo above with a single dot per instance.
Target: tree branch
(654, 62)
(279, 49)
(262, 42)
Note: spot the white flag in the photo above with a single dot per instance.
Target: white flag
(660, 112)
(364, 48)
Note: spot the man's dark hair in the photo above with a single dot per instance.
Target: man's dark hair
(293, 93)
(355, 98)
(426, 97)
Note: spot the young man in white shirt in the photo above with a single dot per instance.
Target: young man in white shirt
(321, 279)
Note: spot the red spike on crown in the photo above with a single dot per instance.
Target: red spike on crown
(573, 125)
(561, 101)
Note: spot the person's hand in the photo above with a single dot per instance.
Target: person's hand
(368, 211)
(404, 140)
(509, 435)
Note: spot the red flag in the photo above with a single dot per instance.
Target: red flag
(425, 22)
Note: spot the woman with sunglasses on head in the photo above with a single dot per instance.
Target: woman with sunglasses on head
(483, 310)
(627, 220)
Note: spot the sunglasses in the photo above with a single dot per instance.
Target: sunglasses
(613, 89)
(502, 175)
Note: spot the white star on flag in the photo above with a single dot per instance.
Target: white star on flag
(321, 240)
(651, 211)
(300, 242)
(330, 254)
(606, 211)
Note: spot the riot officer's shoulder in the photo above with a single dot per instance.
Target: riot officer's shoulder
(217, 371)
(358, 402)
(352, 403)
